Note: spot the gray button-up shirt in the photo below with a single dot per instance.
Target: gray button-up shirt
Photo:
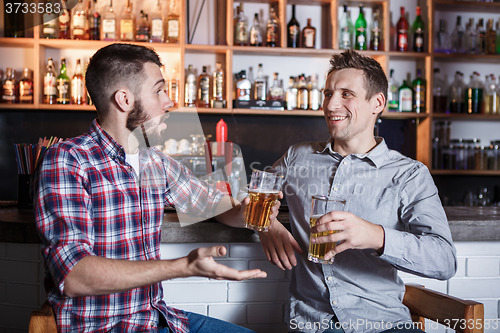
(362, 287)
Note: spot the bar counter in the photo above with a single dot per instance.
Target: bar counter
(466, 224)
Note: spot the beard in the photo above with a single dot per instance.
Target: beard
(137, 117)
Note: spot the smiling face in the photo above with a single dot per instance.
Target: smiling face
(349, 115)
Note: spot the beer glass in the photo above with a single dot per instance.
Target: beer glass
(321, 205)
(263, 192)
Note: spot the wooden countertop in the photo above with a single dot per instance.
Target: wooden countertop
(466, 224)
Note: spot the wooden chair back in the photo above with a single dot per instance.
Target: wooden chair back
(43, 320)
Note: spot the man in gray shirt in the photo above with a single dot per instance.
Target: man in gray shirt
(393, 218)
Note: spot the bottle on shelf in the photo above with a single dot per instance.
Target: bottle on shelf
(293, 31)
(218, 87)
(474, 94)
(276, 92)
(360, 29)
(173, 26)
(190, 87)
(14, 21)
(203, 100)
(458, 37)
(491, 36)
(418, 32)
(157, 31)
(273, 29)
(498, 37)
(419, 85)
(392, 93)
(10, 87)
(405, 94)
(143, 32)
(79, 21)
(173, 87)
(50, 83)
(26, 87)
(491, 96)
(457, 93)
(439, 93)
(127, 24)
(471, 37)
(376, 31)
(256, 32)
(442, 42)
(49, 27)
(309, 36)
(108, 29)
(243, 87)
(314, 94)
(402, 32)
(302, 94)
(240, 27)
(64, 21)
(260, 85)
(346, 30)
(291, 94)
(481, 37)
(78, 92)
(63, 84)
(94, 21)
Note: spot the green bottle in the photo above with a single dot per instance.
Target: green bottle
(360, 26)
(405, 98)
(418, 32)
(419, 87)
(63, 94)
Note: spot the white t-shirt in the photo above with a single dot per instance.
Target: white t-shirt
(133, 160)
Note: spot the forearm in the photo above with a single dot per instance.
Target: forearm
(229, 212)
(95, 275)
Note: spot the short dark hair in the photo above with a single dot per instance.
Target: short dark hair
(112, 64)
(375, 78)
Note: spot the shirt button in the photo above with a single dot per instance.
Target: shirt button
(335, 188)
(334, 303)
(329, 279)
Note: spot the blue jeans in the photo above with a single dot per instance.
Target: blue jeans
(204, 324)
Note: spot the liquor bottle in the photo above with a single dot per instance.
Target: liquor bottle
(360, 28)
(260, 85)
(218, 91)
(14, 21)
(402, 32)
(94, 21)
(346, 31)
(142, 33)
(443, 40)
(190, 87)
(418, 32)
(291, 94)
(63, 82)
(457, 93)
(50, 83)
(302, 94)
(314, 94)
(309, 36)
(471, 37)
(276, 92)
(256, 32)
(26, 87)
(392, 93)
(203, 100)
(458, 37)
(439, 93)
(109, 24)
(293, 31)
(405, 98)
(376, 31)
(491, 98)
(243, 87)
(78, 93)
(273, 30)
(474, 94)
(64, 21)
(49, 28)
(240, 27)
(127, 24)
(419, 90)
(9, 87)
(157, 32)
(498, 37)
(481, 37)
(79, 21)
(173, 27)
(490, 38)
(173, 87)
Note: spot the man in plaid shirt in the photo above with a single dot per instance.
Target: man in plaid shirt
(100, 217)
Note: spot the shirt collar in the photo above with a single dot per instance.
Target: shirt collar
(107, 143)
(376, 155)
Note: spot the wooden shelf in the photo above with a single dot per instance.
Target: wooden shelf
(465, 172)
(484, 58)
(467, 6)
(17, 42)
(97, 44)
(466, 116)
(403, 115)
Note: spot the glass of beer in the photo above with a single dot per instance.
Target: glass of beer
(321, 205)
(263, 192)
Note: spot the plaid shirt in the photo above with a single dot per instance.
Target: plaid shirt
(91, 202)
